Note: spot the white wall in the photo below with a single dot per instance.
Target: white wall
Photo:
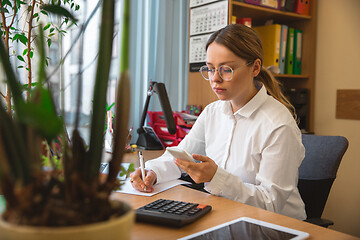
(337, 66)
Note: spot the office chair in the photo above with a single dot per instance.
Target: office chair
(318, 172)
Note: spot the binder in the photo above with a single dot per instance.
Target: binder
(302, 7)
(244, 21)
(254, 2)
(289, 52)
(297, 51)
(283, 42)
(306, 7)
(233, 19)
(289, 6)
(271, 4)
(270, 38)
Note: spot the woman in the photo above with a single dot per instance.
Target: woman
(248, 144)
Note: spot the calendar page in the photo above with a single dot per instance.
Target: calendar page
(197, 51)
(208, 18)
(196, 3)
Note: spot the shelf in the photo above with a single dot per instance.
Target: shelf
(259, 13)
(291, 76)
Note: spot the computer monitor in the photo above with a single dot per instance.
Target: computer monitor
(147, 137)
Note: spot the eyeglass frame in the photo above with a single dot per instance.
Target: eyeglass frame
(217, 69)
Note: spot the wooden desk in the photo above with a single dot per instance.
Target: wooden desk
(224, 210)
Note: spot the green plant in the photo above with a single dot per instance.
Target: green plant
(77, 195)
(18, 19)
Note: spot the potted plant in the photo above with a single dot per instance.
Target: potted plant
(17, 24)
(75, 201)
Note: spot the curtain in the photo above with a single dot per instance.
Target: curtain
(158, 52)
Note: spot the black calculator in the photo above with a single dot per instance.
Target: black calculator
(171, 213)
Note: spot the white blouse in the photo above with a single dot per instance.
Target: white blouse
(258, 151)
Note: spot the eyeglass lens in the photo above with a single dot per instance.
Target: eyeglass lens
(225, 72)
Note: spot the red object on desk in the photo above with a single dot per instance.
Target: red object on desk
(157, 122)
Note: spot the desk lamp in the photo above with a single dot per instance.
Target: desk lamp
(148, 139)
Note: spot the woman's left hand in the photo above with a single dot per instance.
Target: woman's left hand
(199, 172)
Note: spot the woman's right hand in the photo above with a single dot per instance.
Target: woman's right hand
(140, 185)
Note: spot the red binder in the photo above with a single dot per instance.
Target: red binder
(244, 21)
(302, 7)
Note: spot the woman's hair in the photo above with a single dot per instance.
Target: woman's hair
(245, 43)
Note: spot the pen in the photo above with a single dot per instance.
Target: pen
(142, 167)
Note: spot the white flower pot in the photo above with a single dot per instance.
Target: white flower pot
(119, 228)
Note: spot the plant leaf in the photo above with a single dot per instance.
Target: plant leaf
(47, 26)
(16, 37)
(58, 10)
(124, 61)
(12, 140)
(122, 100)
(6, 2)
(109, 107)
(2, 9)
(23, 39)
(25, 86)
(44, 12)
(100, 89)
(20, 58)
(40, 114)
(41, 49)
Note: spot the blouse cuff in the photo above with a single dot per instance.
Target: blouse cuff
(216, 184)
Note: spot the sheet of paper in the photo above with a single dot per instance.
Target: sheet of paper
(127, 187)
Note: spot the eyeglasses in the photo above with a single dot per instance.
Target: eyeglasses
(226, 73)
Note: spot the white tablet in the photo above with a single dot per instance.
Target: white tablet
(180, 153)
(249, 229)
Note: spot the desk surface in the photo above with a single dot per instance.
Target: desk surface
(224, 210)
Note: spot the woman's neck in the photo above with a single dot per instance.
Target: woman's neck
(243, 99)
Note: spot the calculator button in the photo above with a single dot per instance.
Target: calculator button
(201, 206)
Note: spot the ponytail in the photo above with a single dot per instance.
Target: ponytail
(273, 87)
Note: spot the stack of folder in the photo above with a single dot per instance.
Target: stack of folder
(282, 47)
